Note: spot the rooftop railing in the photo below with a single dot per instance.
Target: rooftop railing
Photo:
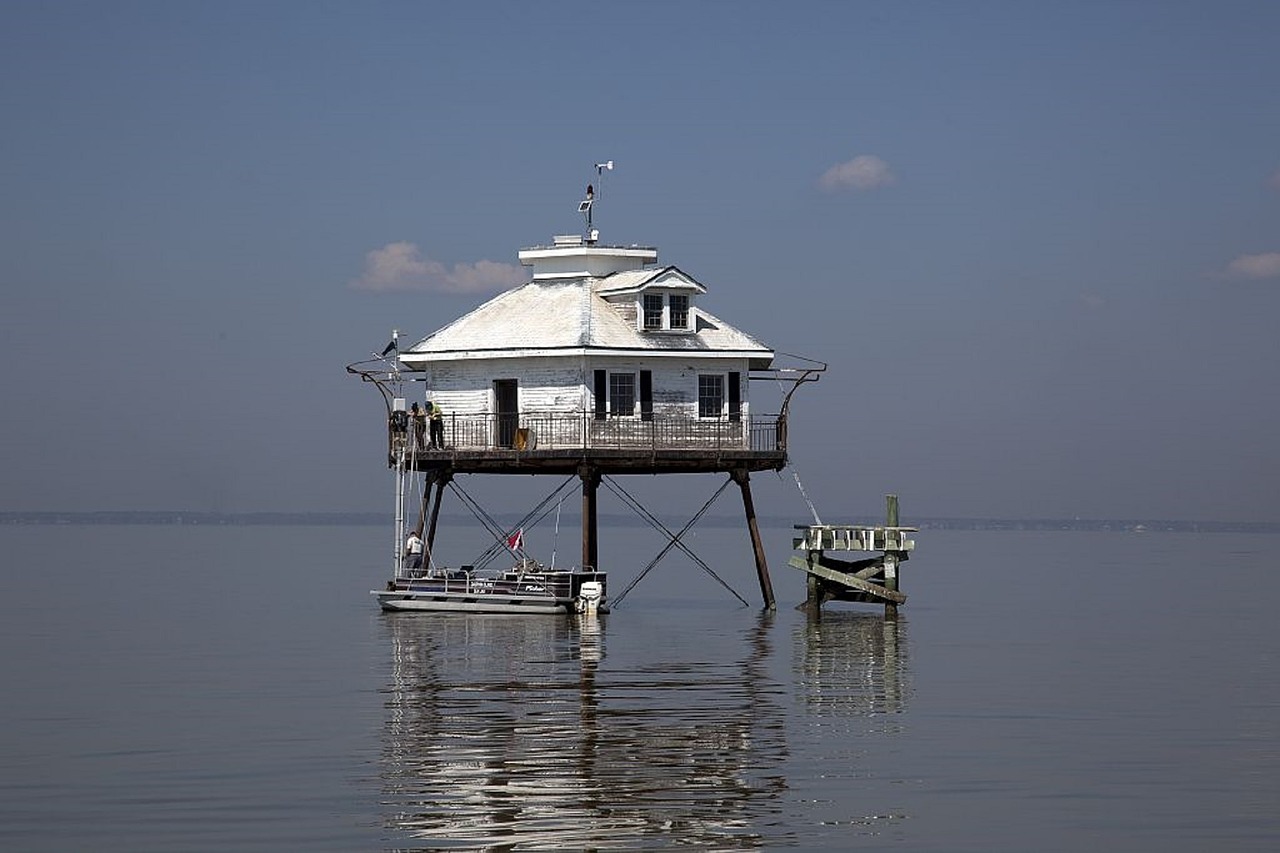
(533, 431)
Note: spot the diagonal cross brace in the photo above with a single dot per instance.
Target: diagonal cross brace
(854, 581)
(532, 518)
(674, 538)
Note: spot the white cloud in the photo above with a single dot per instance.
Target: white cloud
(1266, 265)
(402, 266)
(864, 172)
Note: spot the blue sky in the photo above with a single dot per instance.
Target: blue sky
(1037, 243)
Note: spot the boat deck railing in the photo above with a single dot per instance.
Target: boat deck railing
(533, 431)
(543, 582)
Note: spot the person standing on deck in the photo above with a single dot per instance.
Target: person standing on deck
(419, 419)
(413, 550)
(437, 425)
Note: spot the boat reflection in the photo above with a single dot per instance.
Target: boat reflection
(505, 732)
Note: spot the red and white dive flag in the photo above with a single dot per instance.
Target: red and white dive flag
(516, 540)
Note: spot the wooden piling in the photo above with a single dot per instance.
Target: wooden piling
(813, 596)
(891, 557)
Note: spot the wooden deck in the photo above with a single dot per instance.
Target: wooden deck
(565, 444)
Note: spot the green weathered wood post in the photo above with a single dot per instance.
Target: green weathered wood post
(890, 557)
(813, 589)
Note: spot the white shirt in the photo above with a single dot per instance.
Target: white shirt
(414, 544)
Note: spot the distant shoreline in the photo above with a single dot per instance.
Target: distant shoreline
(373, 519)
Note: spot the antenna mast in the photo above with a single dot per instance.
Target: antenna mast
(585, 206)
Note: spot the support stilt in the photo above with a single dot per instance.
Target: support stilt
(743, 479)
(442, 479)
(590, 527)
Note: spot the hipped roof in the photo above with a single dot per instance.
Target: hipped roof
(568, 317)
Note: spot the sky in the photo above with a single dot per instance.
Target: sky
(1038, 244)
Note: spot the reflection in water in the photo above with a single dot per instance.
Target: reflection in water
(854, 665)
(512, 733)
(854, 682)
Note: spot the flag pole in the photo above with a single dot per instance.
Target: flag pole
(556, 540)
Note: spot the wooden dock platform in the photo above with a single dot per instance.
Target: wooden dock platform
(872, 580)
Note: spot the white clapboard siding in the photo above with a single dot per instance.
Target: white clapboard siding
(545, 384)
(565, 385)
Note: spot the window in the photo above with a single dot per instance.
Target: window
(665, 311)
(735, 396)
(622, 394)
(600, 398)
(679, 305)
(646, 395)
(710, 395)
(652, 311)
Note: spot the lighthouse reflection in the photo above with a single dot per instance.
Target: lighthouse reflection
(511, 733)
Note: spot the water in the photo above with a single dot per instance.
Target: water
(234, 688)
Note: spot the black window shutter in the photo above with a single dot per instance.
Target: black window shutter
(735, 396)
(601, 395)
(646, 395)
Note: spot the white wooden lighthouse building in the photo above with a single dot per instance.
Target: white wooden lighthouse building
(603, 364)
(601, 347)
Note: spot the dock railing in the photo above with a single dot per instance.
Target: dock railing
(532, 431)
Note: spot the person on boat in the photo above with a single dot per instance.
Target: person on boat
(419, 419)
(437, 425)
(413, 550)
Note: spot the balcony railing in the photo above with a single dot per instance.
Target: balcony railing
(533, 431)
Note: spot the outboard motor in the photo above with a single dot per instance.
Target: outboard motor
(590, 594)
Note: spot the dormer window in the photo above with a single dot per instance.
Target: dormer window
(652, 312)
(679, 305)
(664, 312)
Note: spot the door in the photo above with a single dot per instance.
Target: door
(506, 400)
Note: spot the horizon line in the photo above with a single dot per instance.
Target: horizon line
(356, 519)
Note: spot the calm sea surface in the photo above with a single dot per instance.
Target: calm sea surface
(183, 688)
